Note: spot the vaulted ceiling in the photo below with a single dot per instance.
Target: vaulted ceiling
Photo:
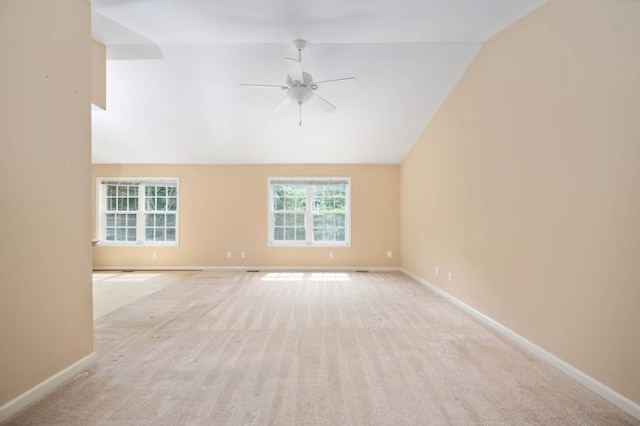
(174, 70)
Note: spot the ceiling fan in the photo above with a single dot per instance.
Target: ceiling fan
(300, 86)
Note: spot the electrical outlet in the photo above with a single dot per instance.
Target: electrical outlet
(229, 255)
(242, 254)
(450, 277)
(154, 254)
(389, 254)
(437, 270)
(330, 255)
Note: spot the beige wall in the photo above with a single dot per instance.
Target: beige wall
(98, 74)
(526, 186)
(224, 208)
(45, 248)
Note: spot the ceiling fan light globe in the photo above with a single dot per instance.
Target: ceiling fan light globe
(300, 94)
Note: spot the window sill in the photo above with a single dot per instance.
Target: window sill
(310, 245)
(136, 244)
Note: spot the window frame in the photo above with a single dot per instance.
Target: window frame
(142, 182)
(309, 227)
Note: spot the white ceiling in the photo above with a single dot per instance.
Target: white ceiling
(174, 69)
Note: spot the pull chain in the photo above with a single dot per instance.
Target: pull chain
(300, 113)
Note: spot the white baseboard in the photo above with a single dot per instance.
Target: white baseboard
(147, 268)
(248, 268)
(40, 390)
(587, 381)
(303, 268)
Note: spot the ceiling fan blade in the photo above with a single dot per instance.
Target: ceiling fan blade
(295, 69)
(265, 86)
(321, 102)
(282, 105)
(347, 80)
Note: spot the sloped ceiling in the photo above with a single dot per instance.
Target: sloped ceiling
(174, 70)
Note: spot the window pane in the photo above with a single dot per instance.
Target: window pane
(161, 204)
(131, 220)
(339, 220)
(300, 220)
(150, 204)
(289, 234)
(171, 234)
(300, 191)
(159, 234)
(329, 203)
(278, 219)
(148, 220)
(131, 234)
(340, 233)
(278, 190)
(329, 220)
(111, 220)
(329, 234)
(290, 219)
(172, 191)
(317, 235)
(300, 234)
(122, 204)
(161, 191)
(278, 233)
(289, 204)
(110, 234)
(111, 204)
(340, 203)
(121, 220)
(172, 204)
(148, 233)
(150, 191)
(121, 234)
(122, 191)
(340, 190)
(159, 220)
(133, 191)
(301, 203)
(278, 204)
(171, 220)
(111, 190)
(318, 220)
(133, 204)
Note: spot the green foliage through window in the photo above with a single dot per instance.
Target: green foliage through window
(123, 202)
(309, 212)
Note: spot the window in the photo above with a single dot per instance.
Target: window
(309, 211)
(136, 211)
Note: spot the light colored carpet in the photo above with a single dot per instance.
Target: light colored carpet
(114, 289)
(239, 348)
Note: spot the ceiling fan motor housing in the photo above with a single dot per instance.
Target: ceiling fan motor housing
(308, 81)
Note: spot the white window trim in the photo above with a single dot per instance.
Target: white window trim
(101, 210)
(309, 214)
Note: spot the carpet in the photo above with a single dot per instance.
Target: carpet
(310, 348)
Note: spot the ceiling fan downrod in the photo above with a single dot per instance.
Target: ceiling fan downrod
(300, 46)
